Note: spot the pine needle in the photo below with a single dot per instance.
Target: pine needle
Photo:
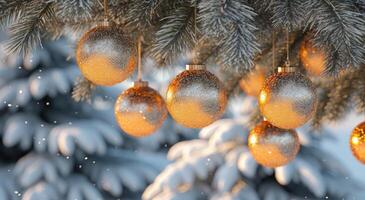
(83, 90)
(26, 34)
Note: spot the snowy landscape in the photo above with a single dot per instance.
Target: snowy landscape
(272, 90)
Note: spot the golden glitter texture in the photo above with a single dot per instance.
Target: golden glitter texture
(357, 142)
(253, 82)
(196, 98)
(313, 59)
(105, 56)
(288, 100)
(271, 146)
(140, 110)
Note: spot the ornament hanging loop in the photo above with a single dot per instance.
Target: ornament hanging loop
(287, 67)
(139, 64)
(196, 52)
(273, 36)
(106, 10)
(287, 63)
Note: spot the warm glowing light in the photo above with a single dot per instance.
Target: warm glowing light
(253, 140)
(263, 96)
(253, 82)
(355, 140)
(313, 59)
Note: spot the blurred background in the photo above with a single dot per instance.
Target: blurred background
(55, 148)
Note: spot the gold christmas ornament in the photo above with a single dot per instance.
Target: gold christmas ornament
(253, 82)
(313, 59)
(140, 110)
(196, 97)
(288, 99)
(357, 142)
(271, 146)
(105, 55)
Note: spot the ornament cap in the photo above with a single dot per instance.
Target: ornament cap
(195, 67)
(286, 69)
(105, 22)
(140, 83)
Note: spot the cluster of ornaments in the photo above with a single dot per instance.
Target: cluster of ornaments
(195, 98)
(287, 100)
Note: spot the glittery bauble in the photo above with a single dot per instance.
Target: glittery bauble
(196, 98)
(313, 59)
(140, 110)
(271, 146)
(288, 100)
(357, 142)
(253, 82)
(105, 55)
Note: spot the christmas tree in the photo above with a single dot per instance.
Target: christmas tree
(321, 40)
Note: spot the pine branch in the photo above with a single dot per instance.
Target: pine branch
(175, 36)
(288, 14)
(74, 10)
(340, 29)
(233, 23)
(359, 88)
(82, 90)
(339, 98)
(204, 49)
(144, 13)
(26, 34)
(320, 113)
(336, 96)
(11, 11)
(359, 97)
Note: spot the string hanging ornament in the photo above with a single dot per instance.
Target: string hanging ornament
(140, 110)
(105, 54)
(195, 98)
(271, 146)
(288, 98)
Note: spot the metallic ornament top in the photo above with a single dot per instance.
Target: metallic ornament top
(196, 97)
(140, 110)
(357, 142)
(105, 55)
(288, 99)
(271, 146)
(313, 59)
